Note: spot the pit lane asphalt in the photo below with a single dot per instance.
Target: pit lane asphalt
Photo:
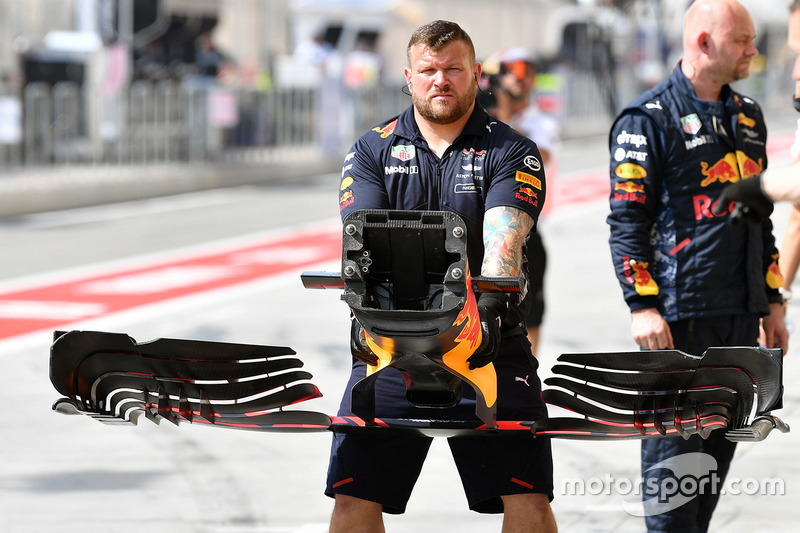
(61, 473)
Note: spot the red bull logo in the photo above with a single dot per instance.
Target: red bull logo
(629, 197)
(386, 130)
(528, 191)
(724, 170)
(629, 186)
(636, 272)
(346, 199)
(643, 281)
(629, 191)
(748, 167)
(525, 197)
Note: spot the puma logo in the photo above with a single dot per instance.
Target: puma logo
(524, 380)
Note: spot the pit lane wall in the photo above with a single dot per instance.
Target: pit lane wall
(52, 189)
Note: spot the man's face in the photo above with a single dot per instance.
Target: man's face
(518, 79)
(442, 82)
(733, 44)
(794, 44)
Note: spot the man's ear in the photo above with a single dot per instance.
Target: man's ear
(407, 74)
(703, 42)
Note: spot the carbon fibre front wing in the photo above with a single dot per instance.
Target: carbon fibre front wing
(420, 317)
(666, 393)
(114, 379)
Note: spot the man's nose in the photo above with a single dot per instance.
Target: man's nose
(440, 79)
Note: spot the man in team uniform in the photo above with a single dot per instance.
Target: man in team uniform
(692, 280)
(444, 153)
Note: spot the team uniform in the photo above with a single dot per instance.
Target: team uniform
(488, 165)
(671, 156)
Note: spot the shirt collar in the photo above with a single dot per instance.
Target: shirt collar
(686, 85)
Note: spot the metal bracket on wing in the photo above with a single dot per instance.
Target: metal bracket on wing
(406, 278)
(666, 392)
(111, 377)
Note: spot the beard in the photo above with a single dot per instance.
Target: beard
(730, 71)
(440, 112)
(740, 71)
(516, 91)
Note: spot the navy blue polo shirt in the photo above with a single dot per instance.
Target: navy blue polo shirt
(488, 165)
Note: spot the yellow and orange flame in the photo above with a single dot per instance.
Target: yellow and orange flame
(484, 379)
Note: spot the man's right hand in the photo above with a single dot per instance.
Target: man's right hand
(650, 330)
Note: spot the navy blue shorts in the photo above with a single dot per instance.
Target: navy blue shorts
(384, 468)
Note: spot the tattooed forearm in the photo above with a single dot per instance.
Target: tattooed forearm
(504, 232)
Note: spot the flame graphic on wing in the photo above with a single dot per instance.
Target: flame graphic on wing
(385, 355)
(470, 336)
(484, 379)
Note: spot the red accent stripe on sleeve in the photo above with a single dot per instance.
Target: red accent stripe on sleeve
(343, 482)
(680, 246)
(520, 482)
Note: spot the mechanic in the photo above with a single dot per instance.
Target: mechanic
(691, 280)
(444, 153)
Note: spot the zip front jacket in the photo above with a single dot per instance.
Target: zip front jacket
(671, 156)
(488, 165)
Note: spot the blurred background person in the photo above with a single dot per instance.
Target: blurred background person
(509, 82)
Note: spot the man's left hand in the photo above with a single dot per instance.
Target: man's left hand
(492, 307)
(773, 332)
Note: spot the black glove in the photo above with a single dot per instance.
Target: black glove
(754, 206)
(358, 344)
(492, 307)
